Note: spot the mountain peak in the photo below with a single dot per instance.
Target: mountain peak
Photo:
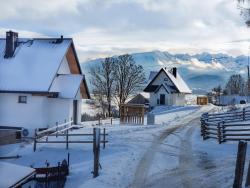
(209, 68)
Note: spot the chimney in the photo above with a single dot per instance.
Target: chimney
(174, 71)
(59, 40)
(11, 43)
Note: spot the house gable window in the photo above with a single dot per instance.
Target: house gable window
(22, 99)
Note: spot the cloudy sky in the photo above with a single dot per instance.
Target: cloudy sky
(107, 27)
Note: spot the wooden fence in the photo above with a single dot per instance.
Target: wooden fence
(229, 126)
(132, 113)
(62, 130)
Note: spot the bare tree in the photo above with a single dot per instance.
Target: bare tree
(244, 7)
(102, 80)
(247, 87)
(235, 85)
(217, 90)
(128, 78)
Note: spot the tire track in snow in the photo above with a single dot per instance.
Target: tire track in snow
(141, 174)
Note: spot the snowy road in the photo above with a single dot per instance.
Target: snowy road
(194, 168)
(185, 158)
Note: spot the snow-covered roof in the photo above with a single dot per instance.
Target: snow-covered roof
(145, 95)
(67, 85)
(34, 65)
(11, 174)
(177, 80)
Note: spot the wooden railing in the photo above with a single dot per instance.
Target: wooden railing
(55, 129)
(229, 126)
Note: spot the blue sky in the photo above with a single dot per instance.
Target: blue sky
(106, 27)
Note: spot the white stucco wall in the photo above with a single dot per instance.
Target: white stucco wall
(38, 112)
(58, 110)
(170, 99)
(154, 96)
(179, 99)
(27, 115)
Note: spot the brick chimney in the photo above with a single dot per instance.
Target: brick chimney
(174, 71)
(11, 44)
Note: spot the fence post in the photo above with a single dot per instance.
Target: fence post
(58, 173)
(104, 137)
(223, 131)
(248, 176)
(47, 177)
(67, 139)
(219, 132)
(96, 148)
(111, 120)
(34, 147)
(56, 129)
(68, 159)
(244, 114)
(203, 127)
(240, 162)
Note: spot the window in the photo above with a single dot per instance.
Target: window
(22, 99)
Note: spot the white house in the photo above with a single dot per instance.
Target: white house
(41, 82)
(167, 88)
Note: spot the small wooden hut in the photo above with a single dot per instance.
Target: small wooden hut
(132, 114)
(202, 100)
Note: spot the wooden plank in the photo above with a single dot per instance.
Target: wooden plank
(227, 134)
(70, 142)
(240, 162)
(248, 176)
(96, 148)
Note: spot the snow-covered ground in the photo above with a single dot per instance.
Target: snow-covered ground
(168, 154)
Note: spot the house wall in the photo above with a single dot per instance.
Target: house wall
(38, 112)
(162, 79)
(170, 99)
(17, 114)
(58, 110)
(155, 96)
(179, 99)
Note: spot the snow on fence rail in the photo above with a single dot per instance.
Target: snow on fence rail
(229, 126)
(56, 129)
(65, 133)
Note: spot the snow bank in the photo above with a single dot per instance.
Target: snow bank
(11, 174)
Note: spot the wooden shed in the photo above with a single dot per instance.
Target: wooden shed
(132, 113)
(202, 100)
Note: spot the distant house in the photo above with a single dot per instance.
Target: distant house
(167, 88)
(141, 98)
(41, 82)
(225, 100)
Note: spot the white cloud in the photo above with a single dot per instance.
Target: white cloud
(101, 28)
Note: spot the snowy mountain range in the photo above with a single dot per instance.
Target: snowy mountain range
(202, 71)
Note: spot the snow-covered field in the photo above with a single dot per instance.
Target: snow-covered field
(168, 154)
